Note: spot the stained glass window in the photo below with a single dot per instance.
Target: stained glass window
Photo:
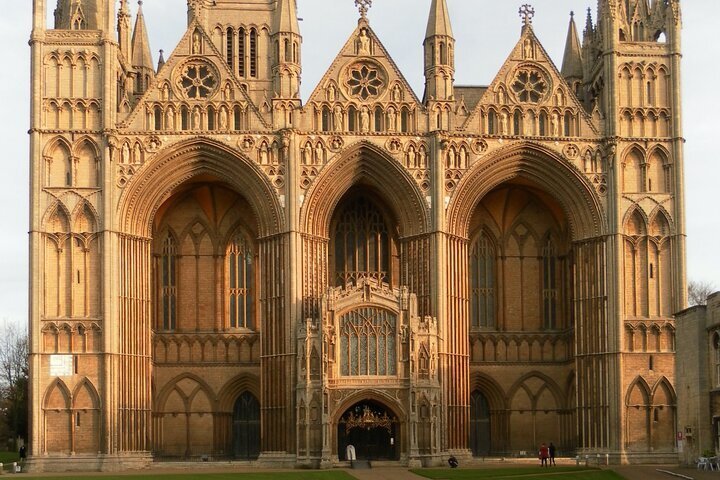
(240, 282)
(367, 342)
(482, 282)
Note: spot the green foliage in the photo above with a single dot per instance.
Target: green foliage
(304, 475)
(9, 457)
(525, 473)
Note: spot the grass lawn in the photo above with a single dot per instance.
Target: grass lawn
(521, 473)
(9, 457)
(302, 475)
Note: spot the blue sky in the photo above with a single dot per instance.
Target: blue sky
(485, 32)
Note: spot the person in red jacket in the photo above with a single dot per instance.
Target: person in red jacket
(543, 454)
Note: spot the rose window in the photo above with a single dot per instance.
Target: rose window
(529, 86)
(197, 80)
(364, 81)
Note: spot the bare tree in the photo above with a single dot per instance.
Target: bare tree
(13, 380)
(698, 291)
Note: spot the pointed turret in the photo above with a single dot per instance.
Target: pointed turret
(439, 56)
(161, 60)
(572, 66)
(287, 39)
(439, 20)
(141, 56)
(123, 27)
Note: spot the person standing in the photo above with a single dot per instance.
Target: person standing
(544, 453)
(551, 450)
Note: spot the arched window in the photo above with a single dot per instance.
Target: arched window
(491, 122)
(326, 119)
(184, 118)
(241, 52)
(568, 124)
(482, 282)
(237, 114)
(229, 34)
(362, 243)
(543, 124)
(240, 283)
(550, 291)
(158, 118)
(517, 121)
(405, 120)
(288, 51)
(367, 342)
(253, 54)
(211, 114)
(352, 118)
(379, 119)
(168, 284)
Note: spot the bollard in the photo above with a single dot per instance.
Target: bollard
(14, 470)
(607, 459)
(1, 468)
(577, 460)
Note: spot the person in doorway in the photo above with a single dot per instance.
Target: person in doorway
(543, 454)
(551, 450)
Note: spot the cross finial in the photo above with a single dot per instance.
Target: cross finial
(527, 12)
(363, 6)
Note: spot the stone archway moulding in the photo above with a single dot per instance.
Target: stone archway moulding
(365, 163)
(157, 181)
(541, 166)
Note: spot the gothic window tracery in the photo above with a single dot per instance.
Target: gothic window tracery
(529, 85)
(482, 282)
(368, 342)
(550, 290)
(197, 80)
(168, 283)
(241, 280)
(362, 243)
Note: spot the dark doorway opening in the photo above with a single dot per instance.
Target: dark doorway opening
(246, 427)
(372, 429)
(479, 424)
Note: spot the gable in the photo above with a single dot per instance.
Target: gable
(530, 85)
(363, 74)
(195, 90)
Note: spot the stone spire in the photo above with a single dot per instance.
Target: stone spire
(286, 17)
(286, 35)
(123, 27)
(161, 60)
(439, 20)
(439, 54)
(572, 66)
(141, 56)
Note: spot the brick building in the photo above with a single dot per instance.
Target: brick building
(220, 268)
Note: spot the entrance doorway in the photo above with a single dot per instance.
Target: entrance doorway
(479, 424)
(246, 427)
(372, 429)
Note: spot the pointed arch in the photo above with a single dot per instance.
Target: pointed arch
(233, 388)
(635, 222)
(368, 164)
(534, 162)
(157, 181)
(172, 385)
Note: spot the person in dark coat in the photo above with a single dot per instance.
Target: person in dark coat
(551, 450)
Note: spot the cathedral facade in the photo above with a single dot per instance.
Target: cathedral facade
(221, 270)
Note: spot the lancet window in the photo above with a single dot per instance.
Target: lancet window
(253, 53)
(362, 244)
(168, 283)
(241, 52)
(482, 282)
(240, 283)
(550, 290)
(368, 342)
